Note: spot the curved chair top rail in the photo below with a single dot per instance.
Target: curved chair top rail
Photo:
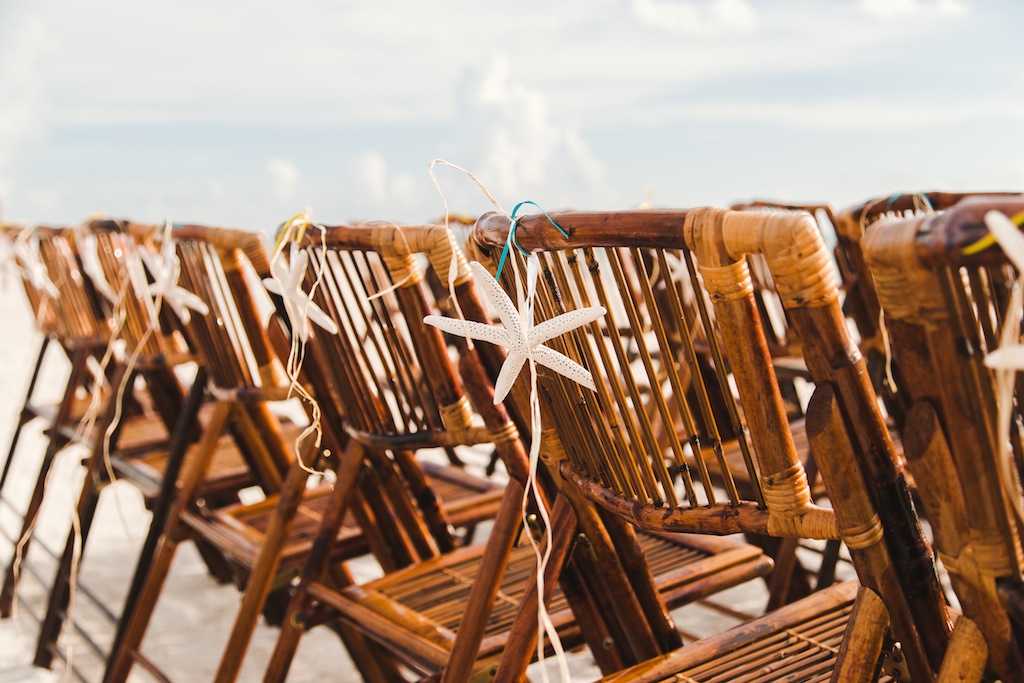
(850, 222)
(250, 242)
(231, 340)
(766, 204)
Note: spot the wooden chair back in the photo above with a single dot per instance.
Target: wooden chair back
(944, 308)
(73, 316)
(602, 436)
(132, 310)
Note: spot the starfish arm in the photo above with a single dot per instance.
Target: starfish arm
(317, 315)
(475, 330)
(273, 286)
(563, 365)
(298, 322)
(563, 323)
(181, 311)
(94, 269)
(1009, 237)
(507, 311)
(1006, 358)
(510, 370)
(186, 298)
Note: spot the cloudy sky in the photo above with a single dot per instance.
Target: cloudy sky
(244, 113)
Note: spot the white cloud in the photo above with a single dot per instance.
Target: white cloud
(374, 189)
(844, 115)
(895, 9)
(705, 18)
(284, 176)
(518, 146)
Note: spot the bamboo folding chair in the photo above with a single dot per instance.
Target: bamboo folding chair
(70, 314)
(450, 613)
(600, 441)
(944, 307)
(152, 351)
(266, 541)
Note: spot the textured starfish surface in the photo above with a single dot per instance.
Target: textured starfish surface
(521, 341)
(166, 269)
(287, 283)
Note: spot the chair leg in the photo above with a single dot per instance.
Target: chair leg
(485, 587)
(137, 614)
(24, 416)
(60, 592)
(28, 522)
(862, 645)
(295, 621)
(262, 575)
(522, 638)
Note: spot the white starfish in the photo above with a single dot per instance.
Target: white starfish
(166, 269)
(287, 283)
(35, 271)
(521, 341)
(93, 268)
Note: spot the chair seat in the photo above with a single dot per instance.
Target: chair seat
(798, 643)
(239, 530)
(417, 611)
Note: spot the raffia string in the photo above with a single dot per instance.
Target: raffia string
(545, 625)
(292, 233)
(453, 266)
(543, 556)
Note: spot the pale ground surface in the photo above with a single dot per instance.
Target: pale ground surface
(194, 615)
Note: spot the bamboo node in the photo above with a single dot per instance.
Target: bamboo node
(506, 434)
(730, 282)
(863, 535)
(457, 417)
(403, 269)
(786, 493)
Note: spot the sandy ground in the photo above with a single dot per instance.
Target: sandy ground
(194, 614)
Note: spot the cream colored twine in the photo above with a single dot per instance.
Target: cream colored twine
(453, 267)
(293, 231)
(545, 625)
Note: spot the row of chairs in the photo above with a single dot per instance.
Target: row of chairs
(691, 428)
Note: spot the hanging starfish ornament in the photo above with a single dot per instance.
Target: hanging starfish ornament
(166, 269)
(287, 283)
(93, 268)
(1010, 354)
(28, 253)
(522, 340)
